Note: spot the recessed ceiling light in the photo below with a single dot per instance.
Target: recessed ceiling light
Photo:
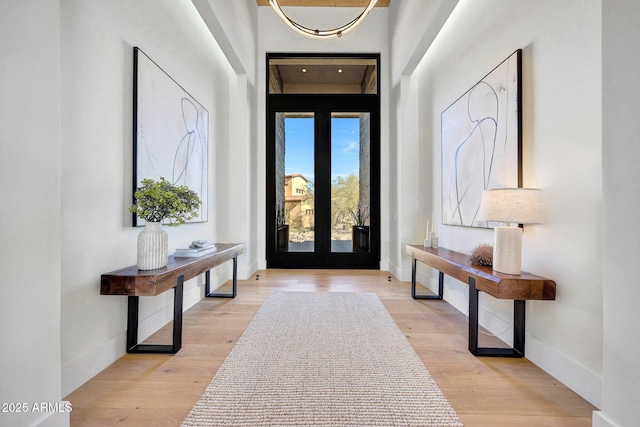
(304, 70)
(339, 70)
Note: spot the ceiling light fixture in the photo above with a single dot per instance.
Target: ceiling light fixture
(322, 34)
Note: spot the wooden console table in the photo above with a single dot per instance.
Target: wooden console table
(135, 283)
(518, 288)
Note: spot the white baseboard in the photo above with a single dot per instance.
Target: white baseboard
(57, 419)
(458, 300)
(600, 420)
(156, 320)
(579, 379)
(248, 271)
(83, 368)
(398, 272)
(391, 268)
(427, 278)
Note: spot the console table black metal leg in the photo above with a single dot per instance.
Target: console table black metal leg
(518, 330)
(519, 316)
(234, 284)
(414, 268)
(473, 317)
(132, 325)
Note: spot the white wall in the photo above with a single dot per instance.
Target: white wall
(414, 26)
(238, 42)
(239, 220)
(30, 211)
(621, 204)
(415, 23)
(562, 146)
(370, 37)
(97, 40)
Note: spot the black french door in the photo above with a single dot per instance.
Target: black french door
(323, 181)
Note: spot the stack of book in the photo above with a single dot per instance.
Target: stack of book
(195, 252)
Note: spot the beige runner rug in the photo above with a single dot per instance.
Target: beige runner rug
(325, 359)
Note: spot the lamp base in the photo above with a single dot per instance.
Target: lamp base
(507, 250)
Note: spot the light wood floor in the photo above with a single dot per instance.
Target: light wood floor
(160, 390)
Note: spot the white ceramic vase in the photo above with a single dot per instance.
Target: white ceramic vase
(153, 247)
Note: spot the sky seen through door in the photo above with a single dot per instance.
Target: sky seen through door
(345, 146)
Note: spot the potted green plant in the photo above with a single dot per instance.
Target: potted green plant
(156, 202)
(282, 231)
(359, 231)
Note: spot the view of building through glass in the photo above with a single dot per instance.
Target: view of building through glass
(349, 198)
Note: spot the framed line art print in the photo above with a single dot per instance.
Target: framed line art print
(170, 132)
(481, 137)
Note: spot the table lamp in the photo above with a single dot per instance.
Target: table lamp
(510, 205)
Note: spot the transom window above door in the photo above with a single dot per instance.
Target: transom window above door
(317, 75)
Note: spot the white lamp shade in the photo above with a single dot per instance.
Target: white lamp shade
(519, 205)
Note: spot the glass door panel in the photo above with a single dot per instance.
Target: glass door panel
(295, 175)
(350, 204)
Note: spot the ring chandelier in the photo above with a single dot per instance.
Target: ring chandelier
(322, 34)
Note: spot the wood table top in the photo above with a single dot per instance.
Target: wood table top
(525, 286)
(134, 282)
